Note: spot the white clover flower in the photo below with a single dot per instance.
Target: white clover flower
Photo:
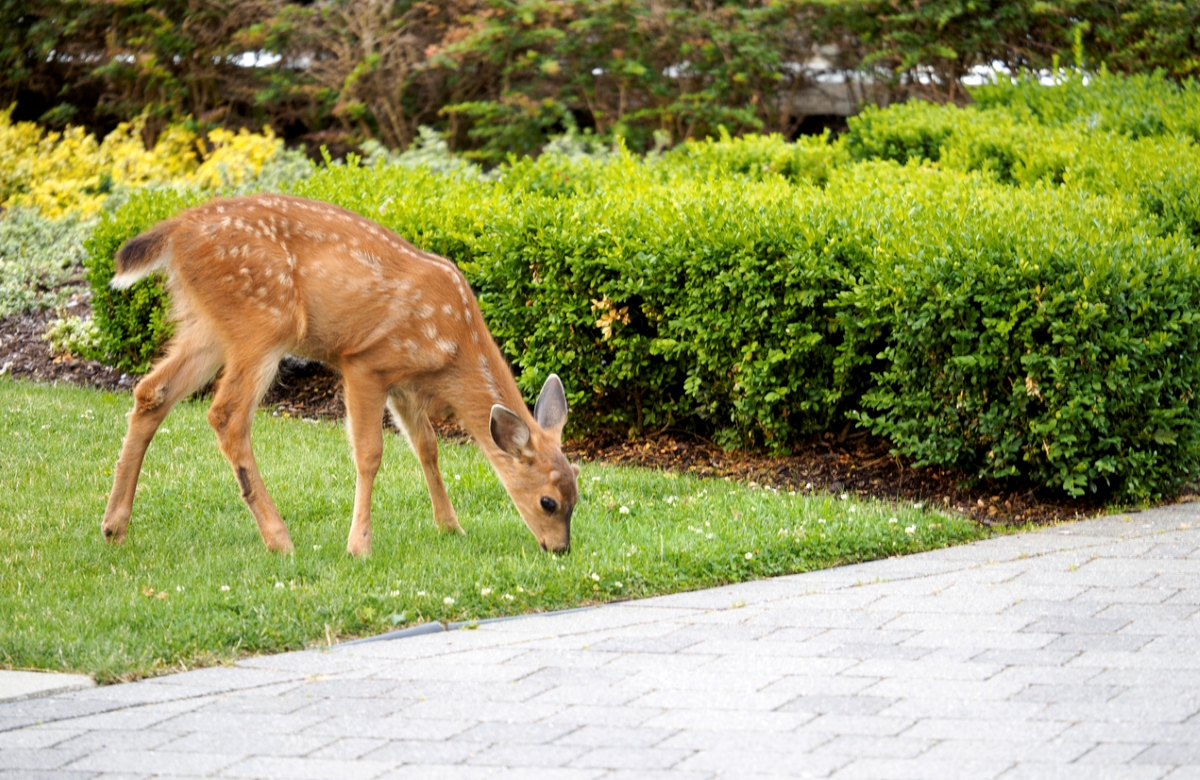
(624, 510)
(279, 584)
(595, 576)
(750, 556)
(618, 584)
(448, 600)
(225, 588)
(394, 593)
(508, 597)
(892, 521)
(485, 592)
(420, 593)
(910, 529)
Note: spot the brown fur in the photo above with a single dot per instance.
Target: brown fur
(254, 278)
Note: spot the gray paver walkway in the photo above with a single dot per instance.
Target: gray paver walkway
(26, 685)
(1066, 653)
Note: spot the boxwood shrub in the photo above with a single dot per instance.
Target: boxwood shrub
(1013, 305)
(1037, 333)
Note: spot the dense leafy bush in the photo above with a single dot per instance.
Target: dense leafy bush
(73, 173)
(38, 257)
(1035, 331)
(504, 77)
(809, 159)
(1159, 173)
(1009, 289)
(1044, 333)
(1137, 106)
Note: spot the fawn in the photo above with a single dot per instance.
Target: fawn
(254, 278)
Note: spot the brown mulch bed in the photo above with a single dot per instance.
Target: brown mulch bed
(859, 464)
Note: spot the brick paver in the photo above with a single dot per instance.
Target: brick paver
(1064, 653)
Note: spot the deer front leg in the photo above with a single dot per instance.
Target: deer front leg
(364, 421)
(231, 415)
(191, 361)
(419, 432)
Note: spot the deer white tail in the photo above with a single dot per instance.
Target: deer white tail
(142, 256)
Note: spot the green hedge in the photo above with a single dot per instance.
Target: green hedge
(1159, 174)
(1015, 301)
(1038, 333)
(1137, 106)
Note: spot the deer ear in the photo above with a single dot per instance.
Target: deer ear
(508, 431)
(550, 409)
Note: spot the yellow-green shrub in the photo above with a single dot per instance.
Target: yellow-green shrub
(72, 173)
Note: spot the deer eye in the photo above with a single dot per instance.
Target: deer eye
(549, 504)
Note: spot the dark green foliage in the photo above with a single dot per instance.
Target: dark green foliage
(1048, 336)
(927, 46)
(503, 76)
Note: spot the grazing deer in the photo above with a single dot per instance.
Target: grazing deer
(256, 277)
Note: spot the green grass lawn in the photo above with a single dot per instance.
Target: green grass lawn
(194, 584)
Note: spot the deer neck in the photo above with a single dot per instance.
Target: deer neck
(491, 383)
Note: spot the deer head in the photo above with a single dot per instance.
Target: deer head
(533, 469)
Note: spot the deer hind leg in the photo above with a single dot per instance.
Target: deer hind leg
(191, 360)
(417, 429)
(231, 415)
(364, 419)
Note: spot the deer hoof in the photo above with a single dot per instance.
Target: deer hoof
(112, 534)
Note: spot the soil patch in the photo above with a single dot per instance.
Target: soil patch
(858, 465)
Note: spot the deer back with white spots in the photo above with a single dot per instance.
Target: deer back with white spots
(252, 279)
